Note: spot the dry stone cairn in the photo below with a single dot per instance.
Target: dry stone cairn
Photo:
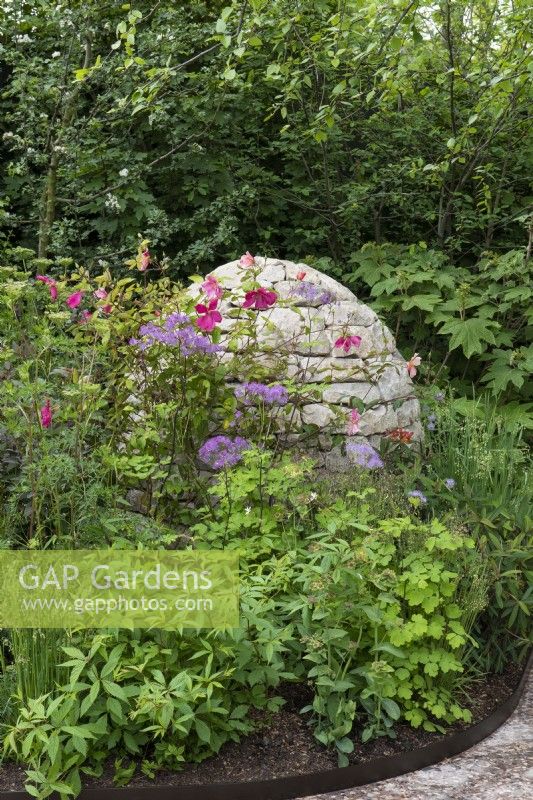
(296, 338)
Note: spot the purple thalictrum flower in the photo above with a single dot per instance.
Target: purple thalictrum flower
(221, 452)
(271, 395)
(312, 294)
(364, 455)
(176, 331)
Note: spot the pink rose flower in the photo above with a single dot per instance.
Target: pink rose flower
(347, 342)
(75, 299)
(50, 282)
(260, 299)
(353, 422)
(46, 415)
(412, 364)
(247, 260)
(209, 316)
(212, 288)
(100, 294)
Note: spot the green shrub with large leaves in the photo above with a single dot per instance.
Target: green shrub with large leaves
(474, 322)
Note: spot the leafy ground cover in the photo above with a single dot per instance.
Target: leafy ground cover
(384, 592)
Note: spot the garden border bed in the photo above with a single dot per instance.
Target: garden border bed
(295, 786)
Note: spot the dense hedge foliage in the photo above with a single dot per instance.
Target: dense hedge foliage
(308, 127)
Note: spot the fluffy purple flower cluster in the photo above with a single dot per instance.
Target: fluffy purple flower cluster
(313, 294)
(432, 422)
(418, 495)
(176, 330)
(271, 395)
(364, 455)
(220, 452)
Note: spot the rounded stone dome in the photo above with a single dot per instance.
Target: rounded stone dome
(296, 338)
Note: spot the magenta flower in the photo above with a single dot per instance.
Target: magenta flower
(144, 260)
(50, 282)
(107, 309)
(46, 415)
(212, 288)
(85, 316)
(209, 316)
(100, 294)
(75, 299)
(347, 342)
(353, 422)
(260, 299)
(247, 260)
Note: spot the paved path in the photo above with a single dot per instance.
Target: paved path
(498, 768)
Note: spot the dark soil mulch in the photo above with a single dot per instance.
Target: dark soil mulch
(284, 745)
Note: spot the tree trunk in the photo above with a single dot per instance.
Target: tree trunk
(48, 202)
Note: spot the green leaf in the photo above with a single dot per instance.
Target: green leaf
(115, 690)
(89, 700)
(391, 707)
(204, 734)
(469, 334)
(82, 731)
(426, 302)
(345, 745)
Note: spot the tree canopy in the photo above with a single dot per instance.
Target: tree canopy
(297, 127)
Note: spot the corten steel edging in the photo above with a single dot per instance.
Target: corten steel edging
(300, 786)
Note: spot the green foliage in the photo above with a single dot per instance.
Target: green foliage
(185, 694)
(484, 453)
(474, 321)
(380, 599)
(262, 506)
(380, 627)
(311, 130)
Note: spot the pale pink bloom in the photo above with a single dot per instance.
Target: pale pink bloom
(75, 299)
(412, 364)
(85, 316)
(353, 422)
(208, 315)
(247, 260)
(145, 260)
(212, 288)
(46, 415)
(347, 342)
(50, 282)
(260, 299)
(100, 294)
(301, 275)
